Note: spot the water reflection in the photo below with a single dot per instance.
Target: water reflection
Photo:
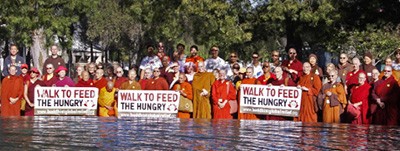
(89, 133)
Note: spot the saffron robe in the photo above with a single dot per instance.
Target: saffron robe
(100, 83)
(388, 92)
(201, 104)
(157, 84)
(222, 90)
(12, 86)
(188, 90)
(118, 81)
(106, 99)
(82, 83)
(332, 106)
(295, 65)
(360, 94)
(29, 111)
(66, 81)
(308, 107)
(266, 79)
(130, 85)
(248, 116)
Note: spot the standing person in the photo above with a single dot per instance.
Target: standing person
(275, 60)
(100, 81)
(157, 82)
(185, 90)
(352, 77)
(179, 56)
(310, 84)
(293, 66)
(54, 59)
(202, 82)
(344, 67)
(249, 79)
(29, 89)
(131, 84)
(165, 64)
(235, 73)
(12, 92)
(386, 96)
(329, 68)
(107, 100)
(160, 48)
(257, 66)
(172, 74)
(63, 80)
(367, 66)
(222, 92)
(150, 61)
(49, 78)
(85, 81)
(13, 60)
(92, 70)
(190, 71)
(24, 72)
(315, 69)
(147, 76)
(359, 98)
(119, 78)
(396, 65)
(194, 57)
(268, 76)
(214, 62)
(234, 62)
(332, 99)
(79, 71)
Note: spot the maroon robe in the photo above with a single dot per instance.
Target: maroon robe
(360, 94)
(82, 83)
(287, 82)
(295, 65)
(266, 80)
(67, 81)
(119, 81)
(388, 92)
(100, 83)
(29, 111)
(352, 79)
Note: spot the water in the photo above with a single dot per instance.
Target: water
(94, 133)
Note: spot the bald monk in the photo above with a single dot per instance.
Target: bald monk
(131, 84)
(249, 79)
(107, 100)
(352, 77)
(222, 92)
(157, 82)
(281, 80)
(359, 98)
(293, 66)
(100, 81)
(332, 99)
(202, 82)
(185, 89)
(85, 81)
(49, 78)
(147, 76)
(386, 96)
(268, 76)
(310, 84)
(12, 92)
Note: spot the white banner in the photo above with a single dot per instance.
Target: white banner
(148, 103)
(270, 100)
(66, 100)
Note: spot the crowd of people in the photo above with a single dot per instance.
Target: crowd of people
(349, 92)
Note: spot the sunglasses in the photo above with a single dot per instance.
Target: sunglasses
(292, 53)
(233, 56)
(388, 70)
(119, 71)
(265, 66)
(342, 57)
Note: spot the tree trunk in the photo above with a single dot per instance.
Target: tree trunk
(38, 49)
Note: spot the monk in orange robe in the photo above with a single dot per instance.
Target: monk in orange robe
(85, 81)
(386, 96)
(310, 84)
(107, 102)
(186, 90)
(131, 84)
(248, 80)
(194, 57)
(359, 98)
(11, 93)
(157, 82)
(202, 82)
(332, 99)
(100, 81)
(222, 92)
(268, 77)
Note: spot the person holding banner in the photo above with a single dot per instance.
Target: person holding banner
(249, 79)
(359, 99)
(100, 81)
(268, 76)
(332, 99)
(131, 84)
(310, 84)
(29, 91)
(202, 82)
(12, 92)
(85, 81)
(186, 90)
(157, 82)
(222, 92)
(63, 80)
(107, 102)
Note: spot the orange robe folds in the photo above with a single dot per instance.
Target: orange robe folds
(118, 81)
(130, 85)
(106, 99)
(195, 60)
(201, 104)
(248, 116)
(222, 90)
(157, 84)
(308, 107)
(332, 106)
(12, 86)
(188, 90)
(360, 94)
(388, 92)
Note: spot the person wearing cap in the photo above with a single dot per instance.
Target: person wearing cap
(85, 81)
(24, 72)
(367, 66)
(194, 57)
(131, 83)
(12, 92)
(29, 90)
(157, 82)
(315, 69)
(54, 59)
(62, 79)
(268, 76)
(49, 78)
(12, 60)
(202, 82)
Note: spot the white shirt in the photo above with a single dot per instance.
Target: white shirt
(257, 70)
(150, 62)
(218, 63)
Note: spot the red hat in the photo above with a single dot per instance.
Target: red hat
(60, 68)
(24, 66)
(34, 70)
